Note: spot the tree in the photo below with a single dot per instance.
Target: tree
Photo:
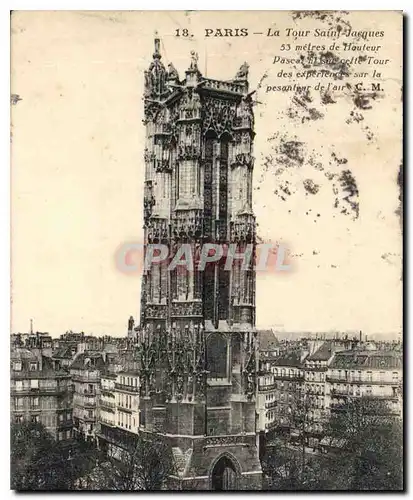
(368, 443)
(372, 454)
(36, 461)
(39, 462)
(83, 462)
(144, 464)
(289, 467)
(285, 469)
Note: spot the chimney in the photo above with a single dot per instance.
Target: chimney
(360, 336)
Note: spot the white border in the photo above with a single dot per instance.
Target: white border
(5, 8)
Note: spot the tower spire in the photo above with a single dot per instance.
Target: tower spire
(155, 76)
(157, 53)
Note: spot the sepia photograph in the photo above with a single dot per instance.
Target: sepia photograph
(206, 251)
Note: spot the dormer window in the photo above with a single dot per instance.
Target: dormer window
(17, 366)
(33, 366)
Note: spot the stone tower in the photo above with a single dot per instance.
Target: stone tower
(197, 337)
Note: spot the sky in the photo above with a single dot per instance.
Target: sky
(77, 172)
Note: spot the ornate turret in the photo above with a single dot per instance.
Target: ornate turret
(155, 77)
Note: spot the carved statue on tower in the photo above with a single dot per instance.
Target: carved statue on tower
(194, 61)
(173, 74)
(242, 73)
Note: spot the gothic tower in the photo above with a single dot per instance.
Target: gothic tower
(197, 337)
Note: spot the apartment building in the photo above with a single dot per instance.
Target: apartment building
(127, 400)
(118, 409)
(360, 373)
(315, 392)
(107, 400)
(298, 389)
(268, 349)
(289, 375)
(85, 371)
(41, 391)
(266, 401)
(279, 390)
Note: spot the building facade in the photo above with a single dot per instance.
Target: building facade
(197, 334)
(107, 400)
(41, 392)
(85, 371)
(118, 410)
(127, 400)
(300, 388)
(371, 374)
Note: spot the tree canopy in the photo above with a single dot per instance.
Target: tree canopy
(144, 464)
(39, 462)
(369, 454)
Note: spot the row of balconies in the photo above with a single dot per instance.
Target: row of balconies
(322, 386)
(38, 391)
(89, 404)
(295, 377)
(316, 368)
(357, 380)
(125, 406)
(106, 403)
(127, 388)
(30, 374)
(86, 377)
(350, 376)
(40, 406)
(83, 399)
(106, 421)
